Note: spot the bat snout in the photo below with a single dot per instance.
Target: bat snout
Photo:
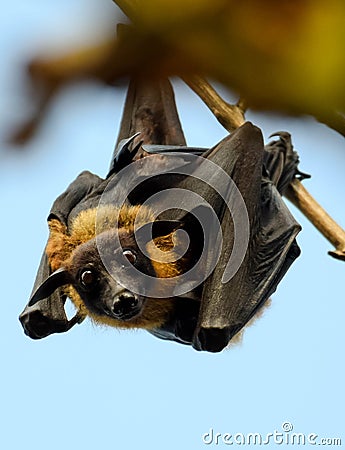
(126, 305)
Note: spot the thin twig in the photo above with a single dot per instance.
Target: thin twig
(231, 117)
(302, 199)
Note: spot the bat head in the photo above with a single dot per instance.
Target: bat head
(85, 277)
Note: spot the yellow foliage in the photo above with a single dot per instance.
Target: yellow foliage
(285, 55)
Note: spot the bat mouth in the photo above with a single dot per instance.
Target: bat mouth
(125, 306)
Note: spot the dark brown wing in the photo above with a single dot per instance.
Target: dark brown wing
(48, 316)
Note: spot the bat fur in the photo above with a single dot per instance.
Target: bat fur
(62, 247)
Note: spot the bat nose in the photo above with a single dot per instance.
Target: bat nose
(125, 305)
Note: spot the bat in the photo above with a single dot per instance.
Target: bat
(187, 243)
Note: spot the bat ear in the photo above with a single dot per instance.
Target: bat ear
(59, 278)
(156, 229)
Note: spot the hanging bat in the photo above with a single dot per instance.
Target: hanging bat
(120, 261)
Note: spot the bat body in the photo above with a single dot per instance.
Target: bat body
(102, 233)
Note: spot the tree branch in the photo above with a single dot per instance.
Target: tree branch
(302, 199)
(231, 117)
(128, 7)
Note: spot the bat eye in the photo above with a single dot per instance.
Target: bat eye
(87, 278)
(130, 255)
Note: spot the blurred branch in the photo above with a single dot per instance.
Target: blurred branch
(128, 7)
(231, 117)
(249, 47)
(49, 74)
(334, 120)
(27, 130)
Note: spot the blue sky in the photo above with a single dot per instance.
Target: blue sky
(99, 388)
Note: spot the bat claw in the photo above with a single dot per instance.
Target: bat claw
(123, 156)
(283, 135)
(337, 254)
